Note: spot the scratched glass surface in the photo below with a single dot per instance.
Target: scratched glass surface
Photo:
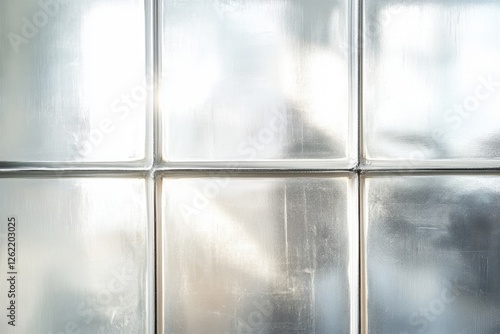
(255, 80)
(83, 256)
(259, 255)
(72, 81)
(432, 83)
(433, 254)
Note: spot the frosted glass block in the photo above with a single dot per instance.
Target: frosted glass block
(431, 83)
(256, 81)
(76, 256)
(433, 253)
(73, 84)
(259, 255)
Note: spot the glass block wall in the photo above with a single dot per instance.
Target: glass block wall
(249, 166)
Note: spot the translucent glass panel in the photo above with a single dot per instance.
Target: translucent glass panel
(76, 256)
(432, 83)
(433, 253)
(259, 255)
(256, 80)
(73, 81)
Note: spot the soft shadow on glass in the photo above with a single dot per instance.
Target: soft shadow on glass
(433, 249)
(255, 80)
(266, 255)
(431, 81)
